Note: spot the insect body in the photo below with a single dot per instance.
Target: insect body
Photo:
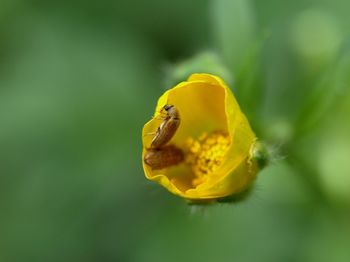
(160, 155)
(165, 157)
(167, 128)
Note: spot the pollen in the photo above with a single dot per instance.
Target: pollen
(206, 154)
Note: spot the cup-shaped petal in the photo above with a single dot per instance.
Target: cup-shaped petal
(214, 136)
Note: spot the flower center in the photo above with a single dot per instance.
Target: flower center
(206, 154)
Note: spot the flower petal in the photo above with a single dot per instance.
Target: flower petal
(205, 104)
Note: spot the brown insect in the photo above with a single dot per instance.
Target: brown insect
(160, 155)
(159, 158)
(167, 128)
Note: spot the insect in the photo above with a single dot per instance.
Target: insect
(167, 128)
(159, 158)
(160, 155)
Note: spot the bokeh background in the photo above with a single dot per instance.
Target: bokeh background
(78, 79)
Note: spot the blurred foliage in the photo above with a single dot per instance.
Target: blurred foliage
(78, 79)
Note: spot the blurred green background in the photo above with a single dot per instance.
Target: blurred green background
(78, 79)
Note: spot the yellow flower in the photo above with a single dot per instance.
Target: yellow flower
(214, 138)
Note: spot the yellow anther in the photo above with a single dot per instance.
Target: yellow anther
(206, 154)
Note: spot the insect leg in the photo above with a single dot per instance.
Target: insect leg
(149, 134)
